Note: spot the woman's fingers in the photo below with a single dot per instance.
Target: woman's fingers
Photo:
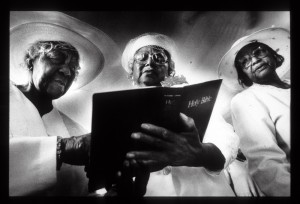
(149, 140)
(158, 132)
(143, 155)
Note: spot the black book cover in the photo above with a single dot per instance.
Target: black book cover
(117, 114)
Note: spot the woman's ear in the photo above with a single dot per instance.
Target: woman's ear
(130, 70)
(279, 60)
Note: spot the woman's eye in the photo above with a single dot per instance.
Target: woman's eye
(143, 56)
(244, 62)
(56, 57)
(159, 57)
(57, 60)
(258, 52)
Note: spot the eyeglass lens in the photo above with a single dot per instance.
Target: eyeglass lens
(158, 58)
(259, 52)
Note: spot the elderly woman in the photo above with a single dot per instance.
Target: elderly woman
(180, 163)
(47, 149)
(261, 112)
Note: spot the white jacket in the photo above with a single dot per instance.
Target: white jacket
(261, 117)
(32, 151)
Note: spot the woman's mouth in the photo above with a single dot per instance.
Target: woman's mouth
(261, 67)
(61, 82)
(149, 71)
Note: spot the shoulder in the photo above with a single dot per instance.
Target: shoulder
(243, 97)
(247, 100)
(14, 91)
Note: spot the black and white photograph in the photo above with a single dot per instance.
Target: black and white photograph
(149, 104)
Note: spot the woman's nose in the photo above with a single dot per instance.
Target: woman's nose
(150, 60)
(255, 60)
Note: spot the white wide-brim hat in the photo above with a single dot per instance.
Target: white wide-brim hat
(147, 39)
(276, 38)
(96, 49)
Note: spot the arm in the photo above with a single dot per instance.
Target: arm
(32, 153)
(267, 162)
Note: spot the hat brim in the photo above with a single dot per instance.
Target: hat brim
(276, 38)
(22, 36)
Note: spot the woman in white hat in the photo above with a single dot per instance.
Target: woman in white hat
(256, 65)
(48, 150)
(182, 165)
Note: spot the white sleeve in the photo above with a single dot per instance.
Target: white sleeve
(32, 164)
(267, 162)
(221, 134)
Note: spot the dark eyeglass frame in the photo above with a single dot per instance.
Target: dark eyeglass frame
(154, 56)
(259, 52)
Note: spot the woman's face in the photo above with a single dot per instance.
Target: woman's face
(53, 73)
(257, 62)
(150, 66)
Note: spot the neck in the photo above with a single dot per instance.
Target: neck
(42, 103)
(274, 80)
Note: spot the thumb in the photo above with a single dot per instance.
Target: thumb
(187, 123)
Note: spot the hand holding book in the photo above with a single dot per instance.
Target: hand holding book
(171, 138)
(168, 148)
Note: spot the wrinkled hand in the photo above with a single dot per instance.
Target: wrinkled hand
(167, 147)
(76, 149)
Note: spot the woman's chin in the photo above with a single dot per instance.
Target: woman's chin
(56, 93)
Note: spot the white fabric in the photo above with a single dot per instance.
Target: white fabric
(261, 118)
(198, 181)
(239, 176)
(221, 133)
(32, 152)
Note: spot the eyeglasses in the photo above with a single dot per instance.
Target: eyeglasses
(246, 60)
(159, 58)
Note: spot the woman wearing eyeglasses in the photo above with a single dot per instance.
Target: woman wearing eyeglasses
(180, 164)
(257, 65)
(150, 64)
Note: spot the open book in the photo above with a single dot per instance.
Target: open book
(117, 114)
